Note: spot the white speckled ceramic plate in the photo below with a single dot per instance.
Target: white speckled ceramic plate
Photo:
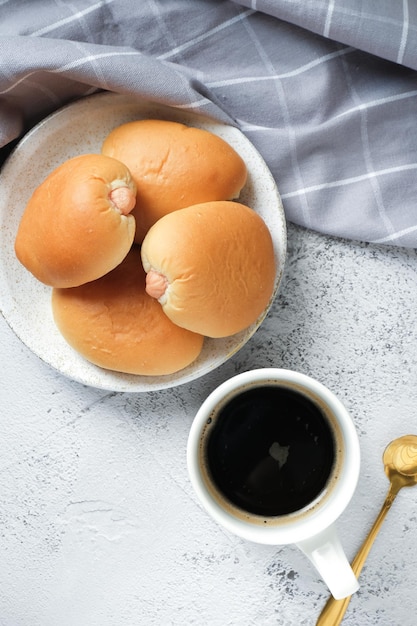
(76, 129)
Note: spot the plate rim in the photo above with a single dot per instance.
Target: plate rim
(117, 381)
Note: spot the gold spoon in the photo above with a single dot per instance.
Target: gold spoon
(400, 464)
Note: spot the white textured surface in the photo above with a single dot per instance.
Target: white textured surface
(98, 523)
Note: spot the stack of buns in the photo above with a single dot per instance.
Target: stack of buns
(146, 249)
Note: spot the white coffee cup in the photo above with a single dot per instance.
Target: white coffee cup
(245, 467)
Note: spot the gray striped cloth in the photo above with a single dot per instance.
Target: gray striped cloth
(325, 89)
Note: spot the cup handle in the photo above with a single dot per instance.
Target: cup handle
(327, 555)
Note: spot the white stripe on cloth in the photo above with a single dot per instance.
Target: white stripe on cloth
(367, 153)
(404, 34)
(192, 42)
(67, 20)
(286, 114)
(90, 59)
(299, 70)
(371, 17)
(68, 66)
(351, 180)
(328, 22)
(394, 236)
(378, 102)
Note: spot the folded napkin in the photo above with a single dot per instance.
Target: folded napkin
(325, 89)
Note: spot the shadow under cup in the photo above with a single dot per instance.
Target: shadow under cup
(273, 456)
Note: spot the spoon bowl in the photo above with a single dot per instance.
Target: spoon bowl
(400, 460)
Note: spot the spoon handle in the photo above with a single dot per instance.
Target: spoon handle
(334, 610)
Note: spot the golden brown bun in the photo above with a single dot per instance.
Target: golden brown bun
(174, 166)
(217, 262)
(71, 232)
(113, 323)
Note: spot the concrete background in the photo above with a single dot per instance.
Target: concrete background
(98, 522)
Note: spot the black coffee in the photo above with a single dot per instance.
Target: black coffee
(270, 451)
